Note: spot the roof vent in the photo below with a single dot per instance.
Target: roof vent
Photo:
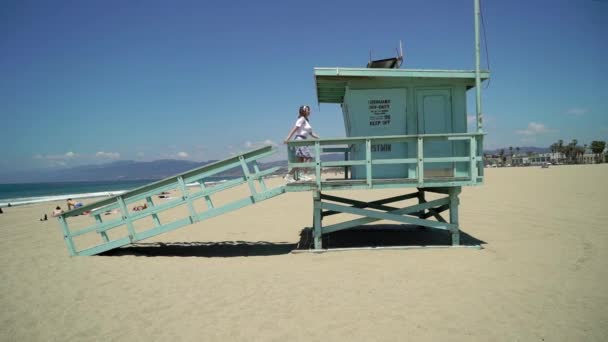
(388, 63)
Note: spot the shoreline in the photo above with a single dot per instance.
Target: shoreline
(20, 201)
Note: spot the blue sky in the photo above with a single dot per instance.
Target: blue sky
(94, 81)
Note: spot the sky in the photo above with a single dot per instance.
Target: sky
(85, 82)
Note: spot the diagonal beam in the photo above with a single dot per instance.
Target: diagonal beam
(377, 216)
(378, 204)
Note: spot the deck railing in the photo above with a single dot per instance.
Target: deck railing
(471, 144)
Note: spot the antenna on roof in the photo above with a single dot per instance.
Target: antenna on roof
(400, 52)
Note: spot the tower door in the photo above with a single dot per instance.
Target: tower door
(434, 117)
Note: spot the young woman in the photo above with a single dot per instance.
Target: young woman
(302, 130)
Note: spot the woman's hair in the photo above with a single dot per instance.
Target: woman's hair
(303, 110)
(58, 208)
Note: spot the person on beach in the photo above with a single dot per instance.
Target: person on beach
(71, 204)
(302, 130)
(140, 207)
(57, 212)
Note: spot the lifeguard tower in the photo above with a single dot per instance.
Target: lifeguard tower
(404, 129)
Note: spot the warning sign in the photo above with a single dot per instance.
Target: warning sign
(379, 112)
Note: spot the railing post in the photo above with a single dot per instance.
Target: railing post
(473, 155)
(318, 164)
(125, 217)
(154, 216)
(420, 157)
(67, 236)
(207, 198)
(186, 197)
(248, 176)
(103, 234)
(368, 161)
(256, 168)
(346, 167)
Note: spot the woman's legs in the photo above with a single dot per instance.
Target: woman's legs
(307, 172)
(292, 173)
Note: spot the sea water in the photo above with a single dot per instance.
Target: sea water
(27, 193)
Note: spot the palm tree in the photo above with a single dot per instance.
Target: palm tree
(553, 148)
(583, 151)
(598, 147)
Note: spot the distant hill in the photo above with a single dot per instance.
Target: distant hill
(158, 169)
(129, 170)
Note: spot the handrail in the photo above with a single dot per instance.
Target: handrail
(471, 156)
(171, 182)
(383, 138)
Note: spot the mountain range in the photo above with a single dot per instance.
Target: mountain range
(152, 170)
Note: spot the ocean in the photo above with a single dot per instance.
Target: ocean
(27, 193)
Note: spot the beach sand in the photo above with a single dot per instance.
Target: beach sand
(542, 274)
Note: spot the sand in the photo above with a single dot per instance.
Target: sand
(542, 275)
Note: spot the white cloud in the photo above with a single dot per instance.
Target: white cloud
(535, 128)
(107, 155)
(256, 144)
(66, 156)
(182, 155)
(576, 111)
(269, 142)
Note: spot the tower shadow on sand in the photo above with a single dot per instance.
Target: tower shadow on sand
(386, 235)
(375, 236)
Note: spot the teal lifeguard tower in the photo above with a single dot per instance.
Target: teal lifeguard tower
(404, 129)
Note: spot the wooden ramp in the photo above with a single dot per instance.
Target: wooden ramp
(113, 222)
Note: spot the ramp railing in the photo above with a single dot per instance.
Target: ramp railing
(466, 159)
(149, 217)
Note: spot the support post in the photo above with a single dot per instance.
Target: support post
(454, 201)
(421, 199)
(317, 233)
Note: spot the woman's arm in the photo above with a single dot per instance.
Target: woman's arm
(290, 134)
